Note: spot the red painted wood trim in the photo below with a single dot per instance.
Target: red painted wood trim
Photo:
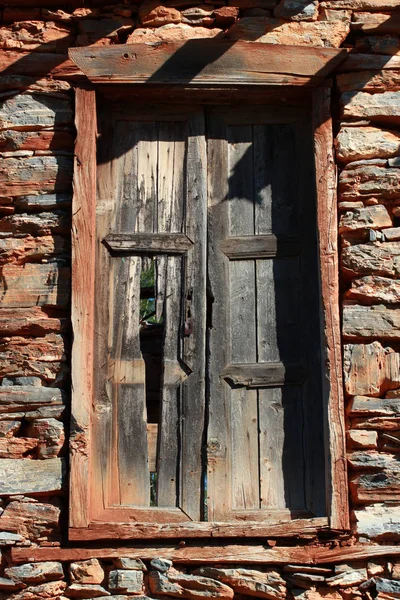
(83, 263)
(329, 265)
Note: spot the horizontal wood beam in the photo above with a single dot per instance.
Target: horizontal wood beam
(259, 246)
(254, 375)
(228, 554)
(208, 62)
(148, 243)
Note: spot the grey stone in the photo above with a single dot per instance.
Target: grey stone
(388, 586)
(161, 564)
(31, 476)
(130, 564)
(78, 590)
(36, 572)
(21, 381)
(130, 582)
(9, 539)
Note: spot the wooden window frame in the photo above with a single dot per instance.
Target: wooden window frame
(154, 75)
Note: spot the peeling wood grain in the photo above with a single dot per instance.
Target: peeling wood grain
(83, 260)
(148, 243)
(203, 61)
(327, 226)
(264, 374)
(225, 554)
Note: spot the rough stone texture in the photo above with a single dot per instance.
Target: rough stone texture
(362, 5)
(372, 460)
(39, 162)
(17, 447)
(25, 476)
(379, 44)
(380, 23)
(356, 143)
(392, 234)
(35, 174)
(370, 369)
(50, 438)
(347, 579)
(226, 16)
(35, 284)
(249, 582)
(359, 438)
(36, 573)
(387, 586)
(153, 14)
(86, 571)
(363, 405)
(381, 107)
(45, 591)
(370, 81)
(12, 140)
(33, 520)
(34, 111)
(30, 321)
(28, 248)
(173, 33)
(188, 586)
(132, 564)
(368, 180)
(24, 398)
(372, 259)
(297, 10)
(38, 357)
(77, 590)
(201, 15)
(273, 31)
(374, 290)
(44, 223)
(371, 322)
(375, 487)
(130, 582)
(36, 35)
(370, 217)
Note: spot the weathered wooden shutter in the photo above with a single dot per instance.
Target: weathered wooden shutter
(150, 225)
(265, 416)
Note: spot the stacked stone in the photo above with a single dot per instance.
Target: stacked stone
(36, 140)
(126, 578)
(36, 150)
(368, 152)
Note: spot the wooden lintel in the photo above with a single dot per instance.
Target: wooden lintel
(207, 62)
(253, 375)
(148, 243)
(228, 554)
(259, 246)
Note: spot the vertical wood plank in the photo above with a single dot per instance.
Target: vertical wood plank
(311, 354)
(83, 269)
(194, 314)
(126, 364)
(333, 383)
(169, 274)
(281, 448)
(219, 453)
(103, 458)
(242, 298)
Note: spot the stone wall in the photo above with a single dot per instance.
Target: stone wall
(36, 147)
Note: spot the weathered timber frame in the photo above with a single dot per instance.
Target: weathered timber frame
(206, 72)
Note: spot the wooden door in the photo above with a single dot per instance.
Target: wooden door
(207, 401)
(265, 426)
(150, 313)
